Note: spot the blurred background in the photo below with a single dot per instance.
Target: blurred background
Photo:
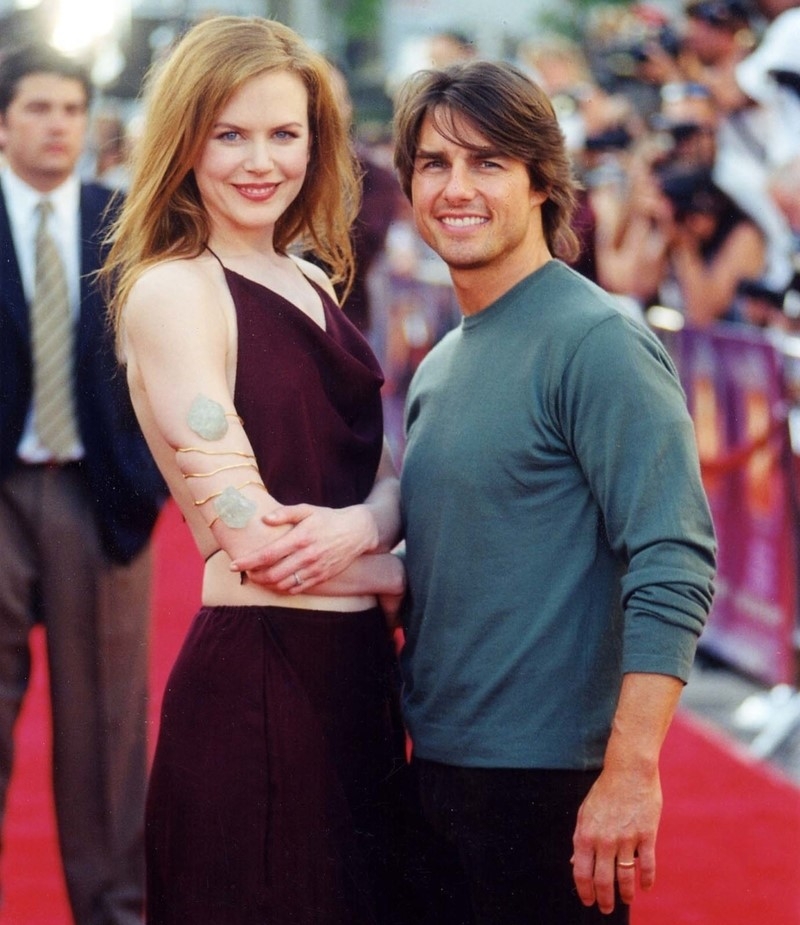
(372, 39)
(375, 41)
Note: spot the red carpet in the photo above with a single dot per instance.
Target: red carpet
(729, 843)
(729, 846)
(33, 886)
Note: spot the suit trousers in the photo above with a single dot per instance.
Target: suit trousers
(95, 615)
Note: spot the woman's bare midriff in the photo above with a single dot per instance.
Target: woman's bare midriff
(222, 587)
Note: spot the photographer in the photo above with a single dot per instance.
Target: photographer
(680, 239)
(712, 248)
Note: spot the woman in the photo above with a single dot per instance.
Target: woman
(253, 392)
(714, 247)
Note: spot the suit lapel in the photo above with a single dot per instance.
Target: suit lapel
(14, 305)
(91, 305)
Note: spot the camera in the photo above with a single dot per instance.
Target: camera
(614, 138)
(689, 189)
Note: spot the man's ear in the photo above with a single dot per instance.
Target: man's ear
(538, 197)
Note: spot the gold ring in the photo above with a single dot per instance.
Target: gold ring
(627, 864)
(297, 580)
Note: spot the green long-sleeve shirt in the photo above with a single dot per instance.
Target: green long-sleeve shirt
(557, 532)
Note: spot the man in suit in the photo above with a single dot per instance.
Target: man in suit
(79, 494)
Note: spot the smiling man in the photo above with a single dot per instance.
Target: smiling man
(560, 552)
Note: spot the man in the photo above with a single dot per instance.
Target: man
(560, 552)
(79, 494)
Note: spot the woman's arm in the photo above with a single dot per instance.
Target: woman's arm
(633, 236)
(176, 337)
(323, 542)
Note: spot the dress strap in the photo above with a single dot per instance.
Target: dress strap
(215, 257)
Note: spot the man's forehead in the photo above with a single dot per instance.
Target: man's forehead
(46, 85)
(444, 124)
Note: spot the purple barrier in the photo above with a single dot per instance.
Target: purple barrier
(734, 381)
(410, 314)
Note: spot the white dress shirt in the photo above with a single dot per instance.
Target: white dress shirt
(64, 226)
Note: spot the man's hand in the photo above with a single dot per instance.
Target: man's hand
(617, 822)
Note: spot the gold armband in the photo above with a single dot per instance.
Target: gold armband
(206, 475)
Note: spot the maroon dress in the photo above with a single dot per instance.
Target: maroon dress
(267, 800)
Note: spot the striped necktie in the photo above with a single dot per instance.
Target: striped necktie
(52, 339)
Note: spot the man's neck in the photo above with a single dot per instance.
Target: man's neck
(476, 289)
(43, 185)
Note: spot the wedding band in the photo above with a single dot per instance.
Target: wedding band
(626, 864)
(297, 580)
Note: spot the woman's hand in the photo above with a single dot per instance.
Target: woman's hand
(322, 543)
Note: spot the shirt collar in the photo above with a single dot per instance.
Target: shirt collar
(23, 198)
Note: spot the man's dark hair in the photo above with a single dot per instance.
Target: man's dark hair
(513, 113)
(37, 58)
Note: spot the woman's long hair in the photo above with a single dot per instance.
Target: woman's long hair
(163, 216)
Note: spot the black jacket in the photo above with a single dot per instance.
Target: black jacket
(125, 486)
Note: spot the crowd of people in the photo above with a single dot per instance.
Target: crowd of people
(686, 132)
(546, 547)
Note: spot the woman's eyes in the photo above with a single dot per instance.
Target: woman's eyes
(280, 135)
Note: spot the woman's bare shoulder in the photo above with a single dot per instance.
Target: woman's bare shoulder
(178, 299)
(173, 280)
(316, 274)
